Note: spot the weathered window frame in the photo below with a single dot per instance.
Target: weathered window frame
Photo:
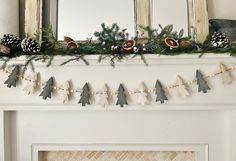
(197, 13)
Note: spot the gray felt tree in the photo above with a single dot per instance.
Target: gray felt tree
(202, 83)
(13, 77)
(47, 89)
(121, 96)
(160, 93)
(85, 95)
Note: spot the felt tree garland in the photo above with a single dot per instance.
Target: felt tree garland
(160, 93)
(48, 88)
(202, 83)
(85, 95)
(13, 77)
(121, 97)
(105, 95)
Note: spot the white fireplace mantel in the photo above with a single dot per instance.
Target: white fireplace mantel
(202, 119)
(131, 73)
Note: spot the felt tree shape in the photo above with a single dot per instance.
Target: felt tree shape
(66, 92)
(181, 87)
(202, 83)
(121, 97)
(13, 77)
(226, 76)
(32, 84)
(85, 95)
(47, 89)
(104, 97)
(142, 95)
(160, 93)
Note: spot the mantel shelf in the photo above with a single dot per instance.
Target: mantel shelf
(152, 59)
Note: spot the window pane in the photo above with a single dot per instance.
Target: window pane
(174, 12)
(79, 19)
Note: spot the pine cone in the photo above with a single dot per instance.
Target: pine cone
(30, 45)
(219, 40)
(11, 41)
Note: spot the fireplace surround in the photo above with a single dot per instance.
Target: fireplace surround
(202, 123)
(118, 155)
(120, 152)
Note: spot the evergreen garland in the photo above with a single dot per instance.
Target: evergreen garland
(113, 36)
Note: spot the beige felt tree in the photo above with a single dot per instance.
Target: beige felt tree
(31, 84)
(142, 95)
(226, 76)
(66, 92)
(181, 87)
(104, 96)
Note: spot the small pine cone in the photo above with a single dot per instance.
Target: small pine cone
(11, 41)
(219, 40)
(30, 45)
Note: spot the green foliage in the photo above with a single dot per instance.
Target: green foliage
(112, 36)
(157, 37)
(155, 43)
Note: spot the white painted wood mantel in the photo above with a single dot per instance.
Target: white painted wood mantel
(202, 119)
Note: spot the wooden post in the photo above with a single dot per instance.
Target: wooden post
(142, 16)
(198, 19)
(33, 17)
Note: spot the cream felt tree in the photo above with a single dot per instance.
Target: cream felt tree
(226, 75)
(31, 84)
(181, 87)
(142, 95)
(66, 92)
(104, 96)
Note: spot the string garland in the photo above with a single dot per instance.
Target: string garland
(115, 93)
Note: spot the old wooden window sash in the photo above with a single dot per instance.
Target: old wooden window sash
(197, 13)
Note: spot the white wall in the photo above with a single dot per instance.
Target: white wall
(222, 9)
